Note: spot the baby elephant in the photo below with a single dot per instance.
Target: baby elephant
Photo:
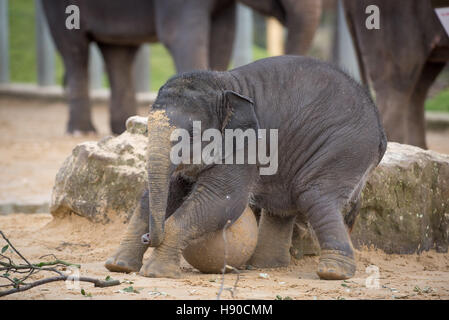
(325, 139)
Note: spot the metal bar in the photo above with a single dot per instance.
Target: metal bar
(142, 69)
(45, 49)
(347, 57)
(243, 45)
(95, 67)
(4, 42)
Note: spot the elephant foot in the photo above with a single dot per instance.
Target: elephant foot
(335, 265)
(158, 269)
(81, 129)
(265, 261)
(124, 260)
(79, 133)
(154, 269)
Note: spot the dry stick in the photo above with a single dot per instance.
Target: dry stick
(7, 266)
(11, 246)
(96, 282)
(225, 265)
(20, 286)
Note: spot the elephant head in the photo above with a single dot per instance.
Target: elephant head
(181, 101)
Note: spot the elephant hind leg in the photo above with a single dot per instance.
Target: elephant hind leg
(76, 82)
(119, 61)
(337, 254)
(274, 241)
(128, 257)
(222, 38)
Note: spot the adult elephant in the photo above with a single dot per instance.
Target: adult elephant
(401, 59)
(198, 33)
(300, 17)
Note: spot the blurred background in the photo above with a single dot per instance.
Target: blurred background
(34, 113)
(27, 28)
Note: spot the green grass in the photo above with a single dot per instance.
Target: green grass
(23, 50)
(440, 102)
(23, 66)
(23, 55)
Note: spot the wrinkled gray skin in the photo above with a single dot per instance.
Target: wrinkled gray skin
(199, 34)
(401, 60)
(191, 30)
(330, 138)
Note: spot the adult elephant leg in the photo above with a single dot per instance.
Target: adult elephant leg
(128, 257)
(302, 20)
(220, 194)
(119, 61)
(274, 241)
(393, 106)
(416, 127)
(222, 38)
(77, 87)
(184, 27)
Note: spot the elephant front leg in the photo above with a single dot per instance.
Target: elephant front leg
(220, 194)
(128, 257)
(165, 259)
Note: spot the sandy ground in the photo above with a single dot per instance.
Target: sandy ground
(75, 240)
(32, 148)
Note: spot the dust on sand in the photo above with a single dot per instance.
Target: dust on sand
(32, 148)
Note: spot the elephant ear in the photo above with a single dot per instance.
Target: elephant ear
(239, 112)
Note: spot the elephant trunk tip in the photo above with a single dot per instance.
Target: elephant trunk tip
(152, 241)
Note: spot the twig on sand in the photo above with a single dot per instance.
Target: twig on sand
(11, 271)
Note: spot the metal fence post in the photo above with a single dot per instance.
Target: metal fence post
(142, 69)
(243, 45)
(347, 57)
(45, 49)
(4, 42)
(95, 67)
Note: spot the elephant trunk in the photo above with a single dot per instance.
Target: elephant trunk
(159, 169)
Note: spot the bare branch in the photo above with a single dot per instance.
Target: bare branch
(18, 284)
(96, 282)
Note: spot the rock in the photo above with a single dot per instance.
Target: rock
(404, 209)
(405, 204)
(101, 180)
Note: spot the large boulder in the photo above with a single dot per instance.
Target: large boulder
(405, 204)
(103, 180)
